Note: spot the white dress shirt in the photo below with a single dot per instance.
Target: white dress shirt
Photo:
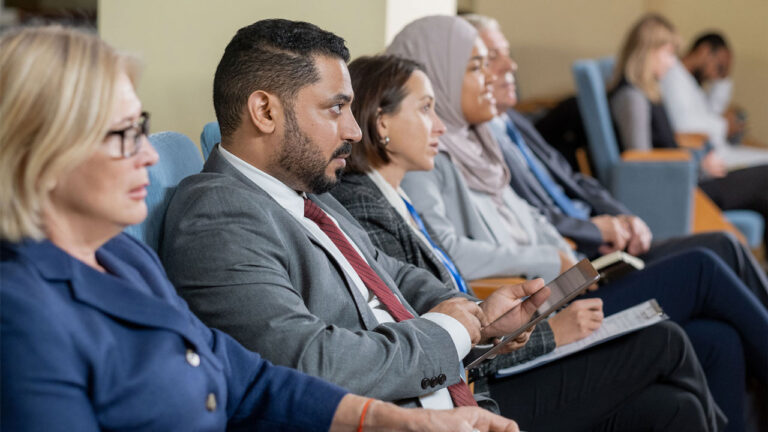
(293, 202)
(692, 110)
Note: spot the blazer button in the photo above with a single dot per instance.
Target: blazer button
(441, 379)
(425, 383)
(210, 402)
(193, 358)
(433, 382)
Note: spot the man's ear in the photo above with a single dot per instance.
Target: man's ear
(262, 110)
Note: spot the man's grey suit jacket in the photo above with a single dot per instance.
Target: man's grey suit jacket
(249, 268)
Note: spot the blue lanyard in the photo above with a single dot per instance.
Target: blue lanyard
(440, 254)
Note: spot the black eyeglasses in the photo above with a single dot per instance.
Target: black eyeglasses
(130, 137)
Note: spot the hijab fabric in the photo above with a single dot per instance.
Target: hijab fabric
(443, 45)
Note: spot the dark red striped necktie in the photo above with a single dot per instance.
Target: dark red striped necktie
(460, 393)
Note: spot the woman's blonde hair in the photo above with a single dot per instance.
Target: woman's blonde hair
(57, 94)
(650, 33)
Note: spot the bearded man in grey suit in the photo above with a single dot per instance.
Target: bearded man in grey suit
(260, 251)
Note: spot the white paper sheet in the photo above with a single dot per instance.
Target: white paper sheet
(620, 323)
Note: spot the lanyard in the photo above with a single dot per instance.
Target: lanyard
(440, 254)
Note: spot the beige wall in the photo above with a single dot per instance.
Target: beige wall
(181, 42)
(546, 36)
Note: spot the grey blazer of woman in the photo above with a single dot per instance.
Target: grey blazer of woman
(445, 201)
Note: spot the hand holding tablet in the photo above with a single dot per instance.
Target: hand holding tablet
(511, 313)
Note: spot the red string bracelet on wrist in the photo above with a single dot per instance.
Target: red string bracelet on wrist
(362, 415)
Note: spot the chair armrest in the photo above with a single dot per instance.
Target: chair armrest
(656, 155)
(693, 141)
(708, 217)
(485, 287)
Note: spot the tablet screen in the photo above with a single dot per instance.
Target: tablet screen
(562, 290)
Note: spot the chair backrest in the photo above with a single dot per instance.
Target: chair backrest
(209, 138)
(596, 116)
(179, 158)
(606, 65)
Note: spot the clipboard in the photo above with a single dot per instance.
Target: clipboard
(563, 289)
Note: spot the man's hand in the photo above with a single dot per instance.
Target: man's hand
(506, 313)
(467, 312)
(615, 235)
(641, 236)
(713, 165)
(466, 419)
(577, 321)
(385, 416)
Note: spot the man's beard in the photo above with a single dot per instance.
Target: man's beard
(303, 161)
(698, 75)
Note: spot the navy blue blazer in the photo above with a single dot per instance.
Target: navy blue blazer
(84, 350)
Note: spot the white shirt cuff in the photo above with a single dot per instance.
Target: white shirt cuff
(459, 334)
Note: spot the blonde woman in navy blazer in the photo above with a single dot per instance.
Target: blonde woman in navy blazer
(93, 335)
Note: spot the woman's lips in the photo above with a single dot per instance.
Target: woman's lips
(139, 193)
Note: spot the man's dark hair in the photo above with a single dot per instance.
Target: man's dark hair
(273, 55)
(713, 39)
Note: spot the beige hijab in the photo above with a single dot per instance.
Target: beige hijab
(443, 45)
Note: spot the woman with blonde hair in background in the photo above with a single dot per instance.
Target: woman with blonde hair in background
(648, 53)
(92, 334)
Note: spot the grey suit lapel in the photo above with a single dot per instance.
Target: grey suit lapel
(218, 164)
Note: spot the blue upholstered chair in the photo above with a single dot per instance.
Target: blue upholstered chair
(179, 158)
(657, 188)
(209, 138)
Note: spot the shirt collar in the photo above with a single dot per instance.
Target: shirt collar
(394, 196)
(288, 198)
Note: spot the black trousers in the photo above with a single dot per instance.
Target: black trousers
(745, 189)
(649, 380)
(727, 248)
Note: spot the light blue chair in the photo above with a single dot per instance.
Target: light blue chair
(209, 138)
(660, 192)
(750, 223)
(179, 158)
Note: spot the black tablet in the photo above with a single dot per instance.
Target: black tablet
(563, 289)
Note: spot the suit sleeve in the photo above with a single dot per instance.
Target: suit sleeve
(234, 274)
(264, 397)
(44, 383)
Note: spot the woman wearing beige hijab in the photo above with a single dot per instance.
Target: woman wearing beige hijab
(477, 208)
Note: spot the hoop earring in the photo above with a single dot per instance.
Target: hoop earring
(384, 141)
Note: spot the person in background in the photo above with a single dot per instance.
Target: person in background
(92, 334)
(642, 123)
(696, 92)
(577, 205)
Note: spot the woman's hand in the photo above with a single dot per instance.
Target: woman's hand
(577, 321)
